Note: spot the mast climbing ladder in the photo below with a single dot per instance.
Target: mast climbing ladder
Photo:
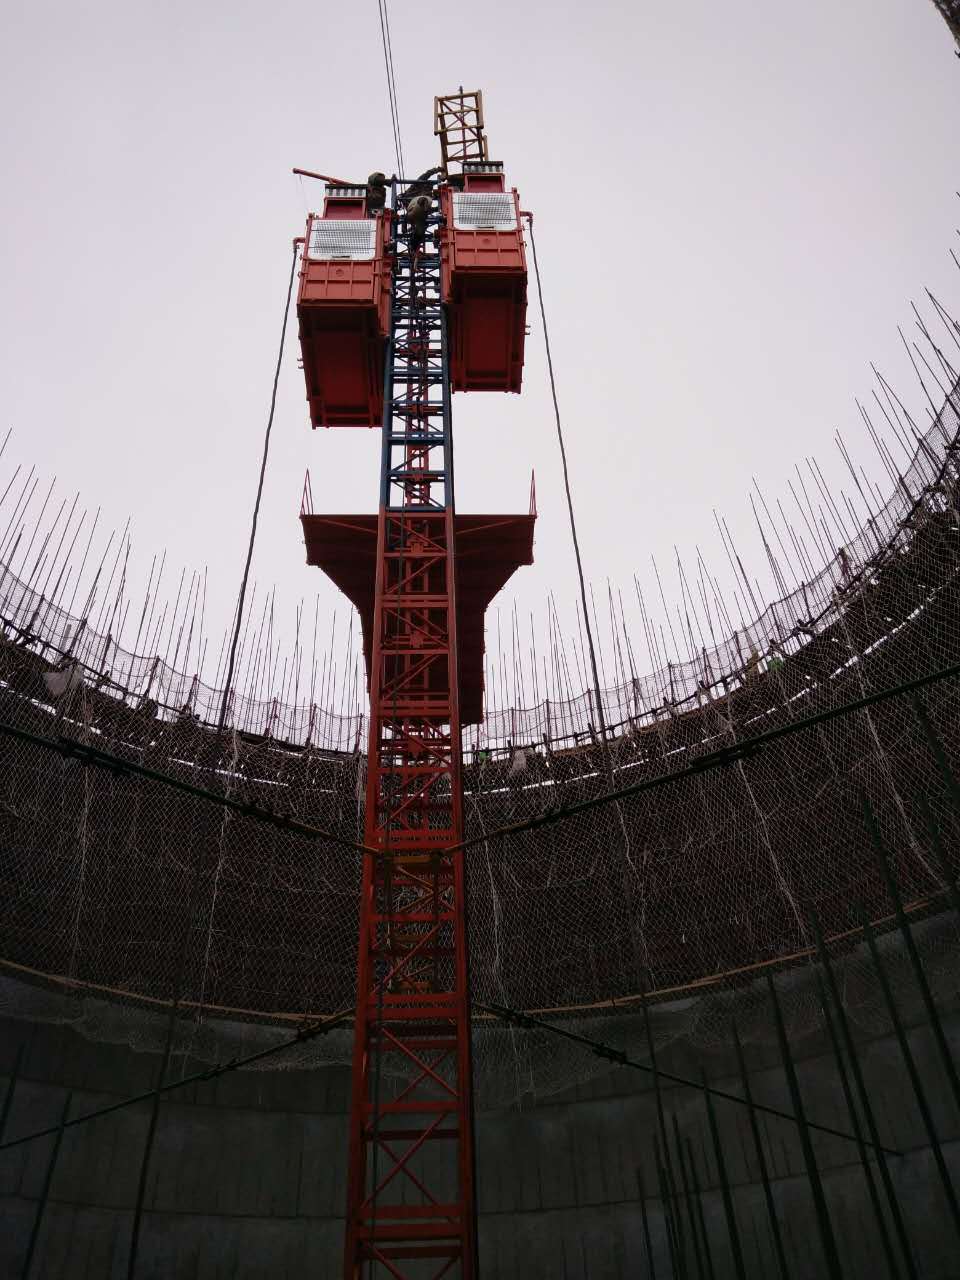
(411, 1176)
(387, 306)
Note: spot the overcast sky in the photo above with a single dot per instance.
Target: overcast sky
(735, 204)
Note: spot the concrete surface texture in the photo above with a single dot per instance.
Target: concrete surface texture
(248, 1171)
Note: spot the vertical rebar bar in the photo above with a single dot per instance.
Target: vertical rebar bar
(828, 1242)
(936, 747)
(933, 1014)
(914, 1074)
(661, 1123)
(645, 1221)
(940, 851)
(885, 1240)
(11, 1088)
(677, 1217)
(863, 1094)
(732, 1230)
(190, 908)
(691, 1213)
(676, 1265)
(698, 1204)
(761, 1155)
(149, 1139)
(45, 1189)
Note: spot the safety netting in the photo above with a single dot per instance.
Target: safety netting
(951, 13)
(221, 866)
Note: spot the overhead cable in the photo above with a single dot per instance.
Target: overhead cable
(714, 759)
(525, 1021)
(256, 506)
(594, 669)
(391, 83)
(118, 765)
(308, 1032)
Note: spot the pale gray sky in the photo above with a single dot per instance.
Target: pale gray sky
(735, 204)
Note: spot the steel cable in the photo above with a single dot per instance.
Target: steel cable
(306, 1033)
(566, 485)
(714, 760)
(638, 942)
(518, 1018)
(256, 506)
(391, 83)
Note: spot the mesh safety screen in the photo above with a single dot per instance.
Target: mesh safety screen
(115, 887)
(354, 238)
(476, 210)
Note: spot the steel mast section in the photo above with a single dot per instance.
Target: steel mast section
(413, 1019)
(411, 1202)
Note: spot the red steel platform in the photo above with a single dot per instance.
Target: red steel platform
(489, 550)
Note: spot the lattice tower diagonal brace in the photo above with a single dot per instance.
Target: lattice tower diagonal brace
(411, 1202)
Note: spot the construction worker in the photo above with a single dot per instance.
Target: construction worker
(376, 193)
(843, 560)
(418, 210)
(421, 186)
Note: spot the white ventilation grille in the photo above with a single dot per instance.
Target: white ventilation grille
(484, 211)
(351, 238)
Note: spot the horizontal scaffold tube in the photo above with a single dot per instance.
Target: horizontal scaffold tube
(714, 759)
(723, 758)
(72, 749)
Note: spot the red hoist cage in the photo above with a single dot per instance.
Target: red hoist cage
(396, 310)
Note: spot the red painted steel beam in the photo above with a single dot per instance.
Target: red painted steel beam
(410, 1197)
(411, 1207)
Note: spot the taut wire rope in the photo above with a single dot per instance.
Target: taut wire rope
(713, 760)
(133, 1252)
(637, 943)
(502, 1013)
(119, 766)
(719, 759)
(307, 1032)
(256, 506)
(594, 669)
(391, 82)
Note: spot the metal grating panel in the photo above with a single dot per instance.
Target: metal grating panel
(353, 238)
(484, 210)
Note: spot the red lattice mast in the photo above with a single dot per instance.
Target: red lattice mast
(411, 1196)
